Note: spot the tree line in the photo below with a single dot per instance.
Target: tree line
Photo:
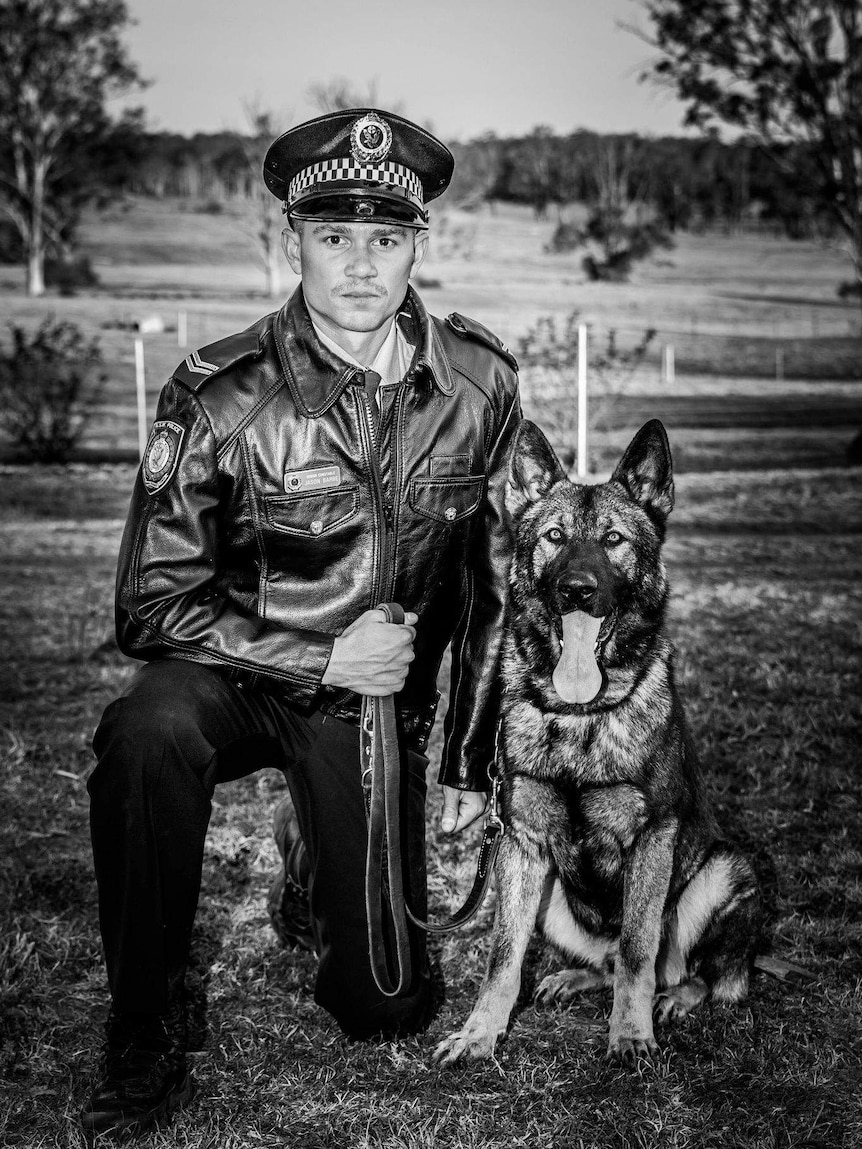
(784, 75)
(688, 183)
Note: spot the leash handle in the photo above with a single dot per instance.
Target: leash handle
(384, 881)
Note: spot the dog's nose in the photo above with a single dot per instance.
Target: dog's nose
(577, 589)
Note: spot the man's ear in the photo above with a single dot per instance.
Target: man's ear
(533, 469)
(292, 248)
(420, 250)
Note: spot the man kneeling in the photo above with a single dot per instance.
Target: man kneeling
(345, 451)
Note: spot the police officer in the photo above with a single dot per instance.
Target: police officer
(345, 451)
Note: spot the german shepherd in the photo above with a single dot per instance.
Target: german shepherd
(610, 846)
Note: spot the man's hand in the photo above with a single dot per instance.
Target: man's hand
(372, 656)
(461, 808)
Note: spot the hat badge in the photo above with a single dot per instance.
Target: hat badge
(370, 139)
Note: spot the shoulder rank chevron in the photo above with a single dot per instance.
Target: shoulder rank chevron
(201, 365)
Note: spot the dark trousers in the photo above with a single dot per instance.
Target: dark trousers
(178, 730)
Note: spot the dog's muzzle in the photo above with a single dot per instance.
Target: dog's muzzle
(577, 590)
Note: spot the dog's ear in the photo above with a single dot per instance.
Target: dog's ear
(646, 470)
(533, 468)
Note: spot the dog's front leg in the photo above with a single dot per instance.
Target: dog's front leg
(521, 877)
(645, 888)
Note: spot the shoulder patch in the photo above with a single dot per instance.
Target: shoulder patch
(201, 365)
(471, 329)
(162, 454)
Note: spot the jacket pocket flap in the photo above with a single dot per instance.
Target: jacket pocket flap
(311, 513)
(446, 499)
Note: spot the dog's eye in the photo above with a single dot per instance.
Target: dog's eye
(555, 535)
(613, 538)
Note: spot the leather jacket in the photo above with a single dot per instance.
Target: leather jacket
(271, 510)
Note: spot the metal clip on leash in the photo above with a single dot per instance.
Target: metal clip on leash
(384, 876)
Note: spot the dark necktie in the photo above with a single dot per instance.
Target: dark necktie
(372, 382)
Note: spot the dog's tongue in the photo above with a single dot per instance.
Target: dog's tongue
(577, 677)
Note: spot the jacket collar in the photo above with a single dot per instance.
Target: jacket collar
(316, 377)
(432, 358)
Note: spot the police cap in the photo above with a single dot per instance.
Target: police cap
(359, 165)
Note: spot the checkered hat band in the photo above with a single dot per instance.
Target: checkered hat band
(347, 170)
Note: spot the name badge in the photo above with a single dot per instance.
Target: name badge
(313, 480)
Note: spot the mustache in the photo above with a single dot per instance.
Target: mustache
(348, 288)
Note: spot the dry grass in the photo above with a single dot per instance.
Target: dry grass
(765, 612)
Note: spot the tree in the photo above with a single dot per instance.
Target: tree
(621, 227)
(339, 94)
(60, 62)
(789, 73)
(266, 218)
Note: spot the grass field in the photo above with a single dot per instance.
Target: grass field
(765, 570)
(729, 305)
(765, 612)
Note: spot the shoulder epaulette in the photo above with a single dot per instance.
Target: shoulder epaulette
(471, 329)
(208, 361)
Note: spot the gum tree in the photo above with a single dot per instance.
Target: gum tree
(786, 72)
(60, 63)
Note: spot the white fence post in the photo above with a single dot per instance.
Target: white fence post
(668, 363)
(582, 401)
(141, 386)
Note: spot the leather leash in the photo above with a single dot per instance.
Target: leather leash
(384, 873)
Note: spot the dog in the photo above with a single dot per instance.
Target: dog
(609, 846)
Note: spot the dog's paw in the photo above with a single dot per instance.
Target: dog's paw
(628, 1051)
(474, 1040)
(564, 985)
(677, 1001)
(668, 1008)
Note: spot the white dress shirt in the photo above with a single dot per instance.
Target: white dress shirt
(391, 362)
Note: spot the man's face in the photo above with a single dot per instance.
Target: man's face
(354, 275)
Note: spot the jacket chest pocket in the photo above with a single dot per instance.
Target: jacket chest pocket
(312, 513)
(447, 499)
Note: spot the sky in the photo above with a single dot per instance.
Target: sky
(460, 67)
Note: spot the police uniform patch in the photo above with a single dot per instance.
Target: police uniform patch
(162, 454)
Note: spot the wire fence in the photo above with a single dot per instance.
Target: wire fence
(674, 354)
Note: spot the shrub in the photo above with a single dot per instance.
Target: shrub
(49, 382)
(11, 245)
(850, 289)
(68, 274)
(548, 356)
(615, 244)
(566, 237)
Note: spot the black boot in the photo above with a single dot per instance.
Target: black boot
(288, 895)
(144, 1076)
